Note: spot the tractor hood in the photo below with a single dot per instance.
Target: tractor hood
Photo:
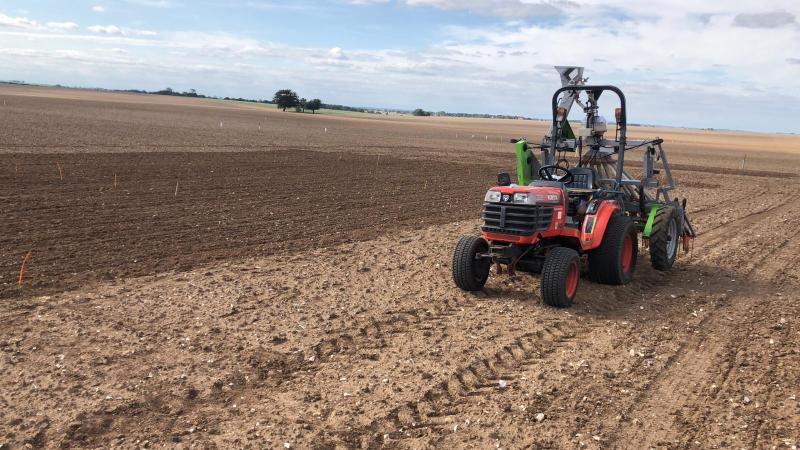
(526, 195)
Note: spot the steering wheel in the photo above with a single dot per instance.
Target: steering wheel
(548, 173)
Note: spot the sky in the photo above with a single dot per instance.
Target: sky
(692, 63)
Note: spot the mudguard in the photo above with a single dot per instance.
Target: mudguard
(594, 225)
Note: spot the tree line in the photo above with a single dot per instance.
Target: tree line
(287, 98)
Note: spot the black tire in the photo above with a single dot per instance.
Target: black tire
(606, 262)
(663, 251)
(560, 277)
(469, 273)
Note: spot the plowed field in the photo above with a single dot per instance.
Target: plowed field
(216, 275)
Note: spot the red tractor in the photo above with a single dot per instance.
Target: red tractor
(554, 215)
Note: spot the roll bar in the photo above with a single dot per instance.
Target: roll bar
(597, 90)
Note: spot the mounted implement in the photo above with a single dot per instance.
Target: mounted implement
(554, 215)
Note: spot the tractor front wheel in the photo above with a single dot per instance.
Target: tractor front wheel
(664, 238)
(470, 271)
(560, 275)
(614, 261)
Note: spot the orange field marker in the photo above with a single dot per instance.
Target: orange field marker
(22, 268)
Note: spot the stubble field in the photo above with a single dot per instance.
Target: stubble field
(215, 274)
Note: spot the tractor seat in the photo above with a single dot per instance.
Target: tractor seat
(583, 178)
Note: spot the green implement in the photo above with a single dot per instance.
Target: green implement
(648, 227)
(527, 164)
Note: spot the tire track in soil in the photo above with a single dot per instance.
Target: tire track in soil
(705, 359)
(774, 270)
(411, 420)
(428, 417)
(645, 283)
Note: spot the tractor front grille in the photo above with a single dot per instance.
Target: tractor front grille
(516, 219)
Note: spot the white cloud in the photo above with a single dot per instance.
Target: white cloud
(501, 8)
(24, 23)
(99, 8)
(17, 22)
(155, 3)
(336, 53)
(108, 29)
(118, 31)
(62, 26)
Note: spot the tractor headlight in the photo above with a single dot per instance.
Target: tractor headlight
(493, 196)
(523, 198)
(535, 198)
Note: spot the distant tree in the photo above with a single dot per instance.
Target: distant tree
(303, 103)
(286, 98)
(314, 105)
(420, 112)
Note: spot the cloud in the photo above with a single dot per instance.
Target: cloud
(108, 29)
(24, 23)
(114, 30)
(500, 8)
(155, 3)
(336, 53)
(62, 26)
(99, 8)
(17, 22)
(764, 20)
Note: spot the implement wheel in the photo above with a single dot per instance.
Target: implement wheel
(470, 271)
(560, 276)
(664, 238)
(614, 261)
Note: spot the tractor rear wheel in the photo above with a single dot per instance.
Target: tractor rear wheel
(470, 271)
(560, 275)
(664, 238)
(614, 261)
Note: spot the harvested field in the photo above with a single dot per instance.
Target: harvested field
(222, 275)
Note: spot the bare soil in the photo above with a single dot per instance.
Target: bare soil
(295, 289)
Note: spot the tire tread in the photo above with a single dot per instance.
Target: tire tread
(554, 272)
(464, 263)
(604, 261)
(659, 258)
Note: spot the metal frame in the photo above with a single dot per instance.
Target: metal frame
(624, 186)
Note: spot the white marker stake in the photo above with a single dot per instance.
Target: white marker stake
(326, 130)
(176, 188)
(115, 181)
